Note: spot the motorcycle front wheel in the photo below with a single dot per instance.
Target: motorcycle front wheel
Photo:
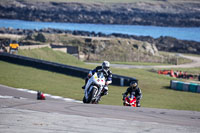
(92, 95)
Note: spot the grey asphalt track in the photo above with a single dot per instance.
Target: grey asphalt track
(20, 112)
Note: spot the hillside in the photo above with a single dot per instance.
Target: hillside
(168, 44)
(96, 48)
(180, 13)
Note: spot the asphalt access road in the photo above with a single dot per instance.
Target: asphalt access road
(20, 112)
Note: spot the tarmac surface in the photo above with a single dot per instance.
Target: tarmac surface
(20, 112)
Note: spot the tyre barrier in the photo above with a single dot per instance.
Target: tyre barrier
(117, 80)
(184, 86)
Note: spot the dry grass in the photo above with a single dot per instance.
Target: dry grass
(11, 36)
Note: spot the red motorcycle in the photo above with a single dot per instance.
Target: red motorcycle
(40, 96)
(130, 101)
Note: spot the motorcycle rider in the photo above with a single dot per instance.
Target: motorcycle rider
(134, 90)
(107, 73)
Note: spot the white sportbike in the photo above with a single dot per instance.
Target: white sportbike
(94, 88)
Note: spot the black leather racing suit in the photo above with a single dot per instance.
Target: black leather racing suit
(108, 74)
(134, 92)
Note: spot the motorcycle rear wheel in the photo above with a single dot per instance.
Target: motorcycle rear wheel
(84, 100)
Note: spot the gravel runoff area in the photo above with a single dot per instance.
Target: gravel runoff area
(20, 112)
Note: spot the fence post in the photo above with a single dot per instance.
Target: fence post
(121, 81)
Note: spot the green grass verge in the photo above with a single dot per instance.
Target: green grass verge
(50, 55)
(35, 79)
(154, 87)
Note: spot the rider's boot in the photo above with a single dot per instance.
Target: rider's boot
(86, 80)
(105, 92)
(83, 87)
(138, 103)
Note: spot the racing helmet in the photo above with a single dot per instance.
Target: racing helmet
(106, 65)
(133, 84)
